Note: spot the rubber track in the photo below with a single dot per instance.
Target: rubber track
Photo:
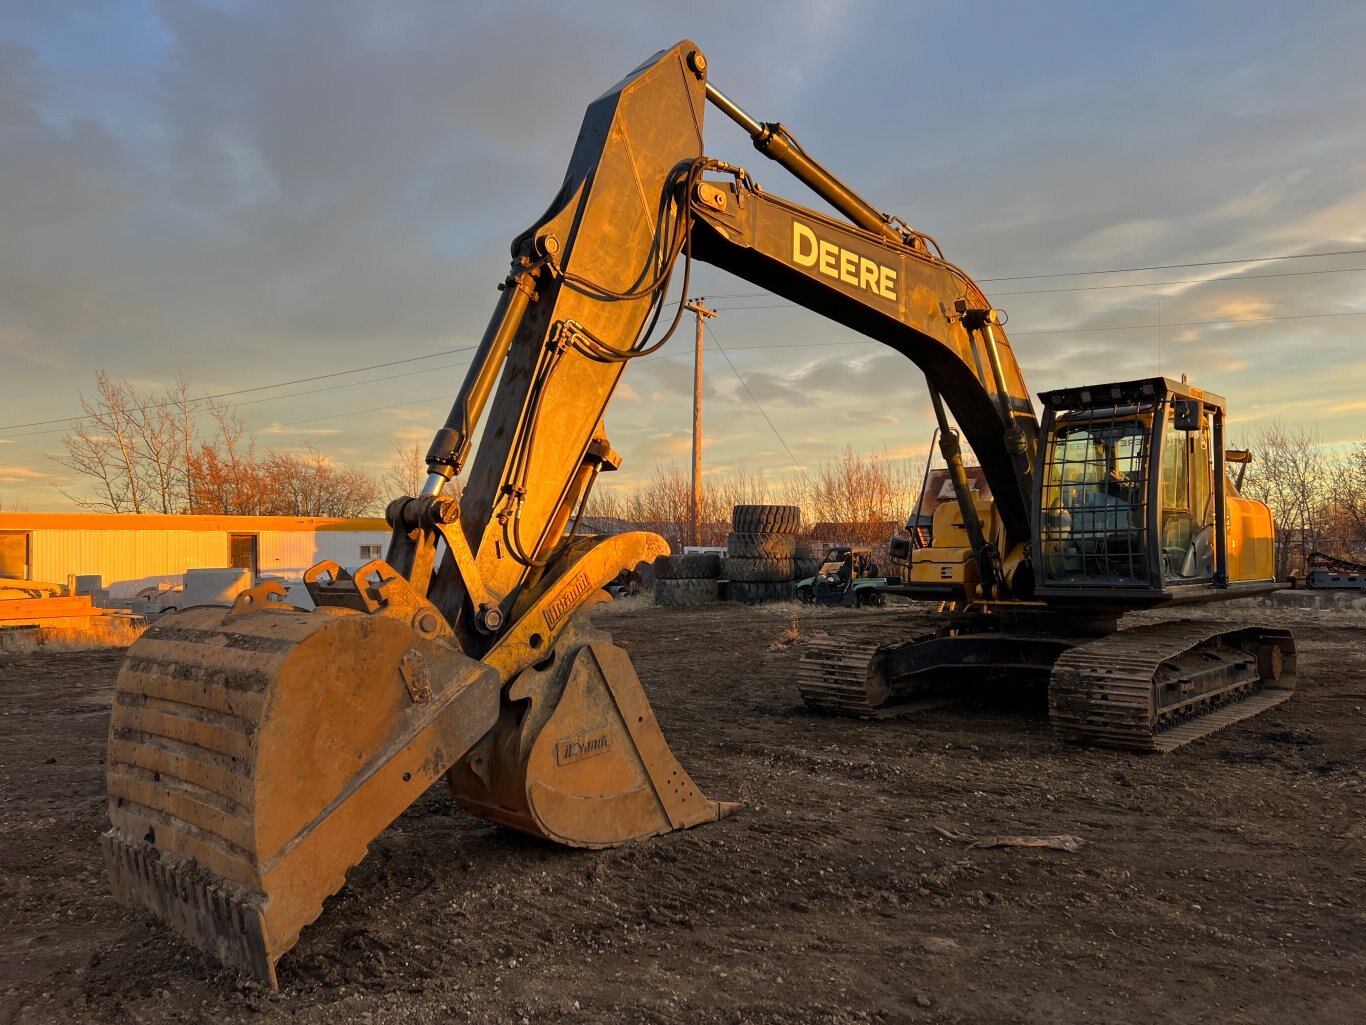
(1104, 692)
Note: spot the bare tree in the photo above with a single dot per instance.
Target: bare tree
(662, 502)
(1345, 517)
(224, 477)
(722, 493)
(157, 443)
(859, 494)
(1289, 472)
(407, 471)
(312, 485)
(145, 452)
(862, 495)
(182, 409)
(103, 448)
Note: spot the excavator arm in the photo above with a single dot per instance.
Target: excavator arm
(589, 282)
(918, 304)
(255, 752)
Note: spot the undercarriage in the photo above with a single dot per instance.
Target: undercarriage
(1149, 688)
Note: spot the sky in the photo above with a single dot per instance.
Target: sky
(255, 193)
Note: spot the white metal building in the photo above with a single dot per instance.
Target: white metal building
(134, 551)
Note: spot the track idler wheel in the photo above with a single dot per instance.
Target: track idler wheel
(577, 756)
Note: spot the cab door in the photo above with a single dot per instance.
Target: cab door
(1186, 506)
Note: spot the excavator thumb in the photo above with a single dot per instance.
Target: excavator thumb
(577, 756)
(255, 752)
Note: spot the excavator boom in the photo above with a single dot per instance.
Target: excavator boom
(256, 751)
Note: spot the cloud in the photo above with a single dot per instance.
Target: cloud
(244, 193)
(19, 474)
(277, 429)
(1244, 309)
(1119, 241)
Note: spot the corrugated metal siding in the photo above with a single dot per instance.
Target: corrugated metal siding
(157, 521)
(345, 548)
(128, 560)
(289, 553)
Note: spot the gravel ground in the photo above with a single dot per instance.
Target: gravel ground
(1225, 882)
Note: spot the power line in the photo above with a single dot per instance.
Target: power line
(356, 384)
(787, 303)
(296, 394)
(1143, 284)
(1188, 323)
(648, 359)
(1076, 330)
(356, 412)
(746, 295)
(1179, 266)
(681, 355)
(449, 395)
(262, 387)
(1184, 281)
(757, 406)
(737, 348)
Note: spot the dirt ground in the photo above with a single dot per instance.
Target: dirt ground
(1225, 882)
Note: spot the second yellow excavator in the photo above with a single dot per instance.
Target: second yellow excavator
(255, 752)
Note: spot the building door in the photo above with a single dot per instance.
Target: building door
(14, 561)
(242, 552)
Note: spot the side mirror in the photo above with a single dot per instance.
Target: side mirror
(1241, 456)
(1188, 414)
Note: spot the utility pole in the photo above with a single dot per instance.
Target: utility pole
(695, 500)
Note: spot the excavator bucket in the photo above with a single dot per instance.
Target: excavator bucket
(577, 756)
(255, 752)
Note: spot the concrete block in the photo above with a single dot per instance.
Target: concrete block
(213, 586)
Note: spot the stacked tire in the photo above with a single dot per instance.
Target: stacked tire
(803, 565)
(686, 579)
(761, 553)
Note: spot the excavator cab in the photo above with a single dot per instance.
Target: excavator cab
(1126, 501)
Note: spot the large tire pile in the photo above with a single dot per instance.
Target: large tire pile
(686, 579)
(760, 561)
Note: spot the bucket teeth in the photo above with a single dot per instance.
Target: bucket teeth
(223, 919)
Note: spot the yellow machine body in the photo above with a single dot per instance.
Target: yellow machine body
(1251, 538)
(255, 752)
(950, 558)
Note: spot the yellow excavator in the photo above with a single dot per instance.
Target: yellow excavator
(255, 751)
